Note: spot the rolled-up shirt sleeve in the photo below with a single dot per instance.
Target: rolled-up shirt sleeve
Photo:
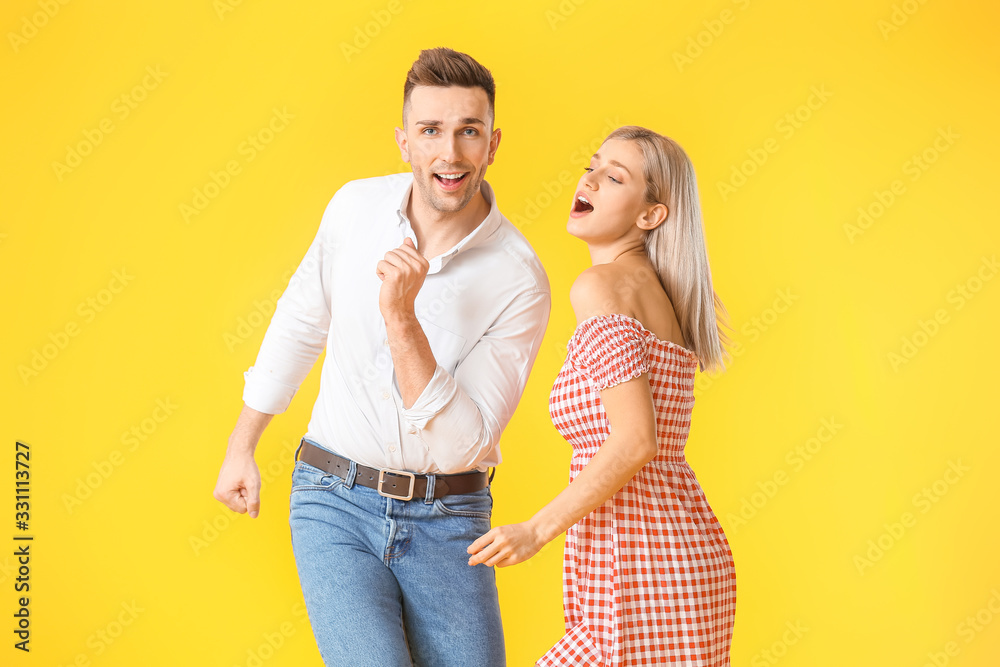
(298, 330)
(460, 418)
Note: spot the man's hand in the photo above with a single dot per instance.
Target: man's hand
(238, 487)
(506, 545)
(402, 273)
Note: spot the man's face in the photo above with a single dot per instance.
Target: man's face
(449, 140)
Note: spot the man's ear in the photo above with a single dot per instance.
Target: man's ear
(494, 144)
(404, 152)
(653, 217)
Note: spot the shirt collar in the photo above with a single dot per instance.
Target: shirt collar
(477, 236)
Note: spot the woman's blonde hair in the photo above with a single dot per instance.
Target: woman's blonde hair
(677, 246)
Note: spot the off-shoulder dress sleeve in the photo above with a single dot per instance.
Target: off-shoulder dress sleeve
(610, 349)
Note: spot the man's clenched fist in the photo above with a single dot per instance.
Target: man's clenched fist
(402, 272)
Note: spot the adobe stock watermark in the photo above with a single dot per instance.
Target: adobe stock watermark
(131, 440)
(450, 292)
(914, 167)
(212, 528)
(59, 340)
(899, 16)
(121, 108)
(786, 126)
(8, 568)
(797, 457)
(31, 24)
(248, 149)
(967, 630)
(223, 7)
(370, 30)
(794, 632)
(923, 501)
(272, 641)
(426, 311)
(307, 270)
(754, 329)
(703, 39)
(551, 189)
(105, 636)
(960, 295)
(561, 346)
(562, 12)
(256, 318)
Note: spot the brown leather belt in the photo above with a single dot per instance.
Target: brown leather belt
(397, 484)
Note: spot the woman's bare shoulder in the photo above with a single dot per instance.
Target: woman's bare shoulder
(599, 291)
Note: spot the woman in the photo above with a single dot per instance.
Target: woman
(648, 576)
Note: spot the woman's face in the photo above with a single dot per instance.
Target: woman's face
(611, 195)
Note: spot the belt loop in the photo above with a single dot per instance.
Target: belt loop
(351, 474)
(297, 449)
(429, 495)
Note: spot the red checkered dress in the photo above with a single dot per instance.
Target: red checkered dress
(648, 577)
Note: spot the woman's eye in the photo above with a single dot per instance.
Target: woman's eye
(615, 180)
(588, 169)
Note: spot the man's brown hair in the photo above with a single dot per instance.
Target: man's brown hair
(445, 67)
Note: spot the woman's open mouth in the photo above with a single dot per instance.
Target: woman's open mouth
(581, 206)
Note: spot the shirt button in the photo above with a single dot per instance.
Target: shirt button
(385, 395)
(385, 342)
(412, 430)
(392, 448)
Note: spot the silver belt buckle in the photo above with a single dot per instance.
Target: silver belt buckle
(401, 473)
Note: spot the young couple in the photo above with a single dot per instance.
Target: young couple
(431, 308)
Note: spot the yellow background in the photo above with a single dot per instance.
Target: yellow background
(150, 561)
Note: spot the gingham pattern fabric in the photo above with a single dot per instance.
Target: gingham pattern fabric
(648, 577)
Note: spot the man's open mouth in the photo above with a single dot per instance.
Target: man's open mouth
(451, 181)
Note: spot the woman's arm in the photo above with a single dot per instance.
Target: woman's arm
(630, 446)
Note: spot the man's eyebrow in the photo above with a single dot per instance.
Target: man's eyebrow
(597, 156)
(463, 121)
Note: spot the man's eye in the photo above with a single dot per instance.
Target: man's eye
(430, 130)
(470, 131)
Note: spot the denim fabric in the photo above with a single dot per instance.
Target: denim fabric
(386, 582)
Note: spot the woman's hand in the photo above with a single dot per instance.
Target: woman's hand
(506, 545)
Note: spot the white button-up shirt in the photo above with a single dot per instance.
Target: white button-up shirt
(483, 306)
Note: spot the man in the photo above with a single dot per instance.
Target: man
(431, 307)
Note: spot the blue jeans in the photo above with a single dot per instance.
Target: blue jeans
(386, 582)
